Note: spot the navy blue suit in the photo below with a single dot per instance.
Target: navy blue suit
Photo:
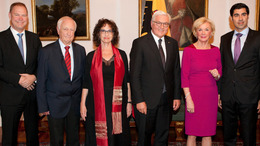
(55, 91)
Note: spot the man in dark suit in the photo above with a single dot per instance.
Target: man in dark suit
(155, 81)
(240, 82)
(18, 65)
(60, 71)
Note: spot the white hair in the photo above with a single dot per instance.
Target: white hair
(62, 19)
(159, 13)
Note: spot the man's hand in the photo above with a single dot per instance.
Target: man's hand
(27, 81)
(220, 103)
(176, 104)
(141, 107)
(258, 107)
(45, 113)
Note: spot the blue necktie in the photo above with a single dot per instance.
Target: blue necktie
(20, 43)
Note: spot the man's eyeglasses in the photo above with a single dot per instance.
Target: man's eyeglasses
(161, 24)
(106, 31)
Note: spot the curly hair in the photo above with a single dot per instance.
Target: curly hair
(96, 33)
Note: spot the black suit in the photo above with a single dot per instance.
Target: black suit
(239, 88)
(15, 99)
(57, 93)
(148, 78)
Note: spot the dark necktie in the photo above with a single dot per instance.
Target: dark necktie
(237, 48)
(20, 44)
(163, 60)
(67, 59)
(161, 52)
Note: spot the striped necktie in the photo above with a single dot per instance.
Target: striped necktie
(67, 59)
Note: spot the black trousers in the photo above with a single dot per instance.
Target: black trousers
(71, 125)
(11, 115)
(247, 114)
(157, 120)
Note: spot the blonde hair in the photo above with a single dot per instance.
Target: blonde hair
(197, 23)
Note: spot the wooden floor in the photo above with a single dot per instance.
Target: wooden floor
(45, 138)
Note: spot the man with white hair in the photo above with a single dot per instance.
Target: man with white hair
(155, 81)
(60, 71)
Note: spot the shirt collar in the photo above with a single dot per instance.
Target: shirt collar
(62, 45)
(156, 38)
(15, 32)
(244, 32)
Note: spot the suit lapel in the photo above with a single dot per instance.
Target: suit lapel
(76, 61)
(229, 47)
(60, 57)
(154, 48)
(29, 47)
(14, 46)
(245, 47)
(168, 51)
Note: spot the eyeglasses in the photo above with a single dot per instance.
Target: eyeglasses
(161, 24)
(103, 31)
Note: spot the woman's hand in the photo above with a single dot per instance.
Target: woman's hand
(214, 73)
(83, 111)
(190, 104)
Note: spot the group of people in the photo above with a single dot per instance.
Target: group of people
(63, 83)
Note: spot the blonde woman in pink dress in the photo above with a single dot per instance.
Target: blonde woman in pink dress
(201, 68)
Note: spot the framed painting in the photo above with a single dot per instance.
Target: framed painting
(46, 13)
(183, 13)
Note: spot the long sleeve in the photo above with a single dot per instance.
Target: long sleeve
(219, 64)
(86, 77)
(185, 68)
(136, 61)
(41, 81)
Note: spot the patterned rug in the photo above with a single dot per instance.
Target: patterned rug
(170, 144)
(198, 144)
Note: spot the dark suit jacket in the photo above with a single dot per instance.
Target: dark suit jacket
(12, 64)
(243, 78)
(55, 91)
(147, 73)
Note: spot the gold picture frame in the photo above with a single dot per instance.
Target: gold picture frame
(257, 16)
(193, 9)
(46, 14)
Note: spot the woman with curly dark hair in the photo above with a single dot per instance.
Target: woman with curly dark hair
(105, 104)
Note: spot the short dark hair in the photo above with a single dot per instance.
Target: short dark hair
(96, 33)
(17, 4)
(238, 6)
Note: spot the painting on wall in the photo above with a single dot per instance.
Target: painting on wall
(183, 13)
(46, 13)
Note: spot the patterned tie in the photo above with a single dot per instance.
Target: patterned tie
(237, 49)
(67, 59)
(20, 43)
(161, 52)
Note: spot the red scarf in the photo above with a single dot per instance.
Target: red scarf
(96, 74)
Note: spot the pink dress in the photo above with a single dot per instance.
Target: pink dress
(203, 89)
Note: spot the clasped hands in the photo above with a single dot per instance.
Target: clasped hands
(27, 81)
